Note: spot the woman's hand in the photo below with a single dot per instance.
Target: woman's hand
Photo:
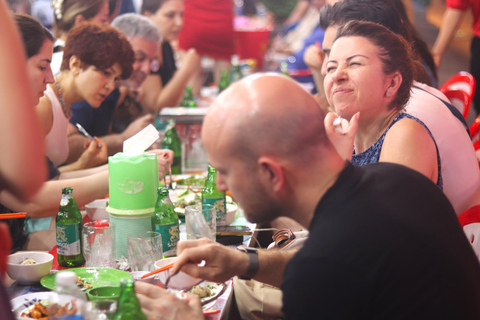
(159, 304)
(93, 154)
(313, 57)
(164, 158)
(341, 136)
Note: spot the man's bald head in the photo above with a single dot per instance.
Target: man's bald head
(266, 114)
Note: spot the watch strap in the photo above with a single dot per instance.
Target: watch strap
(253, 263)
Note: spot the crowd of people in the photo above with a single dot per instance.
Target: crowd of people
(376, 166)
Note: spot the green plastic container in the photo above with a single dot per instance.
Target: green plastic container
(133, 182)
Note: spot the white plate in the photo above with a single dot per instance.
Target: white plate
(21, 303)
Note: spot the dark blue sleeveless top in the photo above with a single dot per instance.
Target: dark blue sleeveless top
(372, 154)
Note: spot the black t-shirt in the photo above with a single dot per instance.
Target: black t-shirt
(168, 67)
(384, 243)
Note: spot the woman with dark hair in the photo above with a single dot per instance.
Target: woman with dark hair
(165, 86)
(38, 43)
(94, 58)
(370, 72)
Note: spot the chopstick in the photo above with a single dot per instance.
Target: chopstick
(168, 266)
(13, 215)
(210, 312)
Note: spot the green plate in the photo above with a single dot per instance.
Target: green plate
(97, 277)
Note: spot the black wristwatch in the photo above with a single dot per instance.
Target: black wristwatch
(252, 262)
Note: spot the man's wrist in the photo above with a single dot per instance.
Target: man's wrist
(253, 263)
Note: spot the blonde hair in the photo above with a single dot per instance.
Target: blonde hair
(66, 11)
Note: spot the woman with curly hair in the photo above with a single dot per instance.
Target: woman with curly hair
(94, 58)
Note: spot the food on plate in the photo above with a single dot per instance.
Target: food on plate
(195, 181)
(201, 291)
(45, 310)
(83, 284)
(29, 261)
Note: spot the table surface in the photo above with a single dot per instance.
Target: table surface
(222, 303)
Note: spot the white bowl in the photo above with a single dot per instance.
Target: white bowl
(180, 281)
(29, 273)
(137, 276)
(231, 211)
(97, 210)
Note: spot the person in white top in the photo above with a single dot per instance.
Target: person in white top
(94, 58)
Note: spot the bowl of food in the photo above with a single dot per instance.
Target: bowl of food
(97, 210)
(231, 212)
(28, 267)
(102, 293)
(137, 276)
(180, 281)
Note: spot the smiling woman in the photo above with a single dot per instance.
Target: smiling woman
(370, 72)
(94, 58)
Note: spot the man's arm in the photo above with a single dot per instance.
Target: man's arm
(223, 263)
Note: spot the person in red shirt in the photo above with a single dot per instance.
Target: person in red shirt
(452, 17)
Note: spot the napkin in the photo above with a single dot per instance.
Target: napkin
(140, 142)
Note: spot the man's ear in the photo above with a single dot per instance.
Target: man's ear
(75, 65)
(271, 174)
(394, 84)
(147, 13)
(79, 19)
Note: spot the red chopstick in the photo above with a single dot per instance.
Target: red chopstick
(168, 266)
(13, 215)
(210, 312)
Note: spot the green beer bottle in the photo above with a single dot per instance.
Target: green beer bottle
(165, 221)
(211, 195)
(188, 100)
(69, 231)
(224, 81)
(236, 72)
(128, 305)
(172, 141)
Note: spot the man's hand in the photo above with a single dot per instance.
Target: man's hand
(159, 304)
(221, 262)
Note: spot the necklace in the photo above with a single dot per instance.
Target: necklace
(68, 114)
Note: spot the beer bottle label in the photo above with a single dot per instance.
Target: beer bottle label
(68, 239)
(170, 236)
(219, 205)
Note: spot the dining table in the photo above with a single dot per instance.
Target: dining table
(222, 303)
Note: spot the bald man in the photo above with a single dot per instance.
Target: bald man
(378, 245)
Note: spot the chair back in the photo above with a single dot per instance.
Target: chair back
(460, 81)
(470, 222)
(459, 100)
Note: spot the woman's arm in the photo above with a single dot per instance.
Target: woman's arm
(46, 201)
(156, 97)
(450, 23)
(408, 143)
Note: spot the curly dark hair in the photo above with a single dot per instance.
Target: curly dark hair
(98, 46)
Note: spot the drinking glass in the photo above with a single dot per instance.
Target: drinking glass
(144, 249)
(103, 309)
(99, 244)
(196, 224)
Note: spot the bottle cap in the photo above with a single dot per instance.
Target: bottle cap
(66, 278)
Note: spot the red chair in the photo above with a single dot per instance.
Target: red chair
(470, 222)
(462, 81)
(460, 100)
